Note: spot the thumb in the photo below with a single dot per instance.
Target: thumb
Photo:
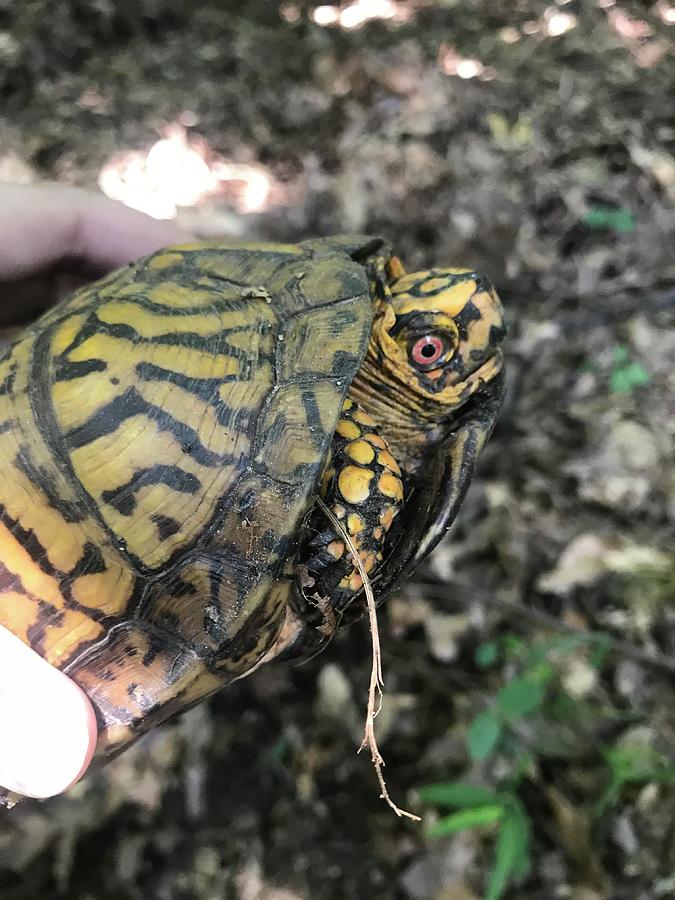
(47, 724)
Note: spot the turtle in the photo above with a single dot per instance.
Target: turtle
(172, 434)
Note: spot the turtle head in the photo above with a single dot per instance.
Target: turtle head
(446, 334)
(428, 389)
(435, 341)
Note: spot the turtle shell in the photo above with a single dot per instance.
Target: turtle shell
(162, 433)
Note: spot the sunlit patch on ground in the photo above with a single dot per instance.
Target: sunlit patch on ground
(637, 35)
(553, 23)
(665, 12)
(182, 171)
(451, 62)
(357, 13)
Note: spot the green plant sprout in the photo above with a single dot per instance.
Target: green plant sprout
(633, 764)
(606, 218)
(502, 811)
(525, 694)
(479, 807)
(626, 375)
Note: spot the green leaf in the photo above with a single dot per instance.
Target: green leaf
(519, 697)
(487, 654)
(484, 733)
(639, 764)
(520, 821)
(541, 674)
(633, 764)
(456, 793)
(604, 217)
(624, 380)
(514, 645)
(507, 854)
(467, 818)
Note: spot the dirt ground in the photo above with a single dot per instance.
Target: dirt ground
(534, 142)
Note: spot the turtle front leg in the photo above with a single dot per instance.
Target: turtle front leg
(363, 489)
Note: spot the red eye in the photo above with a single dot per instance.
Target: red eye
(427, 350)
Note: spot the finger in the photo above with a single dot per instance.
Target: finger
(47, 724)
(43, 224)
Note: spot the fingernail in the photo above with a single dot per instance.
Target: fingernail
(47, 724)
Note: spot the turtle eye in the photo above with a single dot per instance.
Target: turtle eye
(427, 350)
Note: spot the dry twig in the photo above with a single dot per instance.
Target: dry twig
(376, 681)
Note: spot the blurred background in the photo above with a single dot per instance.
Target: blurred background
(529, 668)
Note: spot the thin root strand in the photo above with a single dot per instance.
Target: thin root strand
(376, 680)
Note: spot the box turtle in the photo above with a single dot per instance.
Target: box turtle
(165, 434)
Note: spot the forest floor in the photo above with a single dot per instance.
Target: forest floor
(534, 655)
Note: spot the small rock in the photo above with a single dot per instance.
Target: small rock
(629, 678)
(647, 797)
(580, 678)
(624, 835)
(443, 632)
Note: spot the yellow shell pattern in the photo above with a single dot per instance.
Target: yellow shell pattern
(161, 434)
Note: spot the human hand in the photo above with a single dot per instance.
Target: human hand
(47, 724)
